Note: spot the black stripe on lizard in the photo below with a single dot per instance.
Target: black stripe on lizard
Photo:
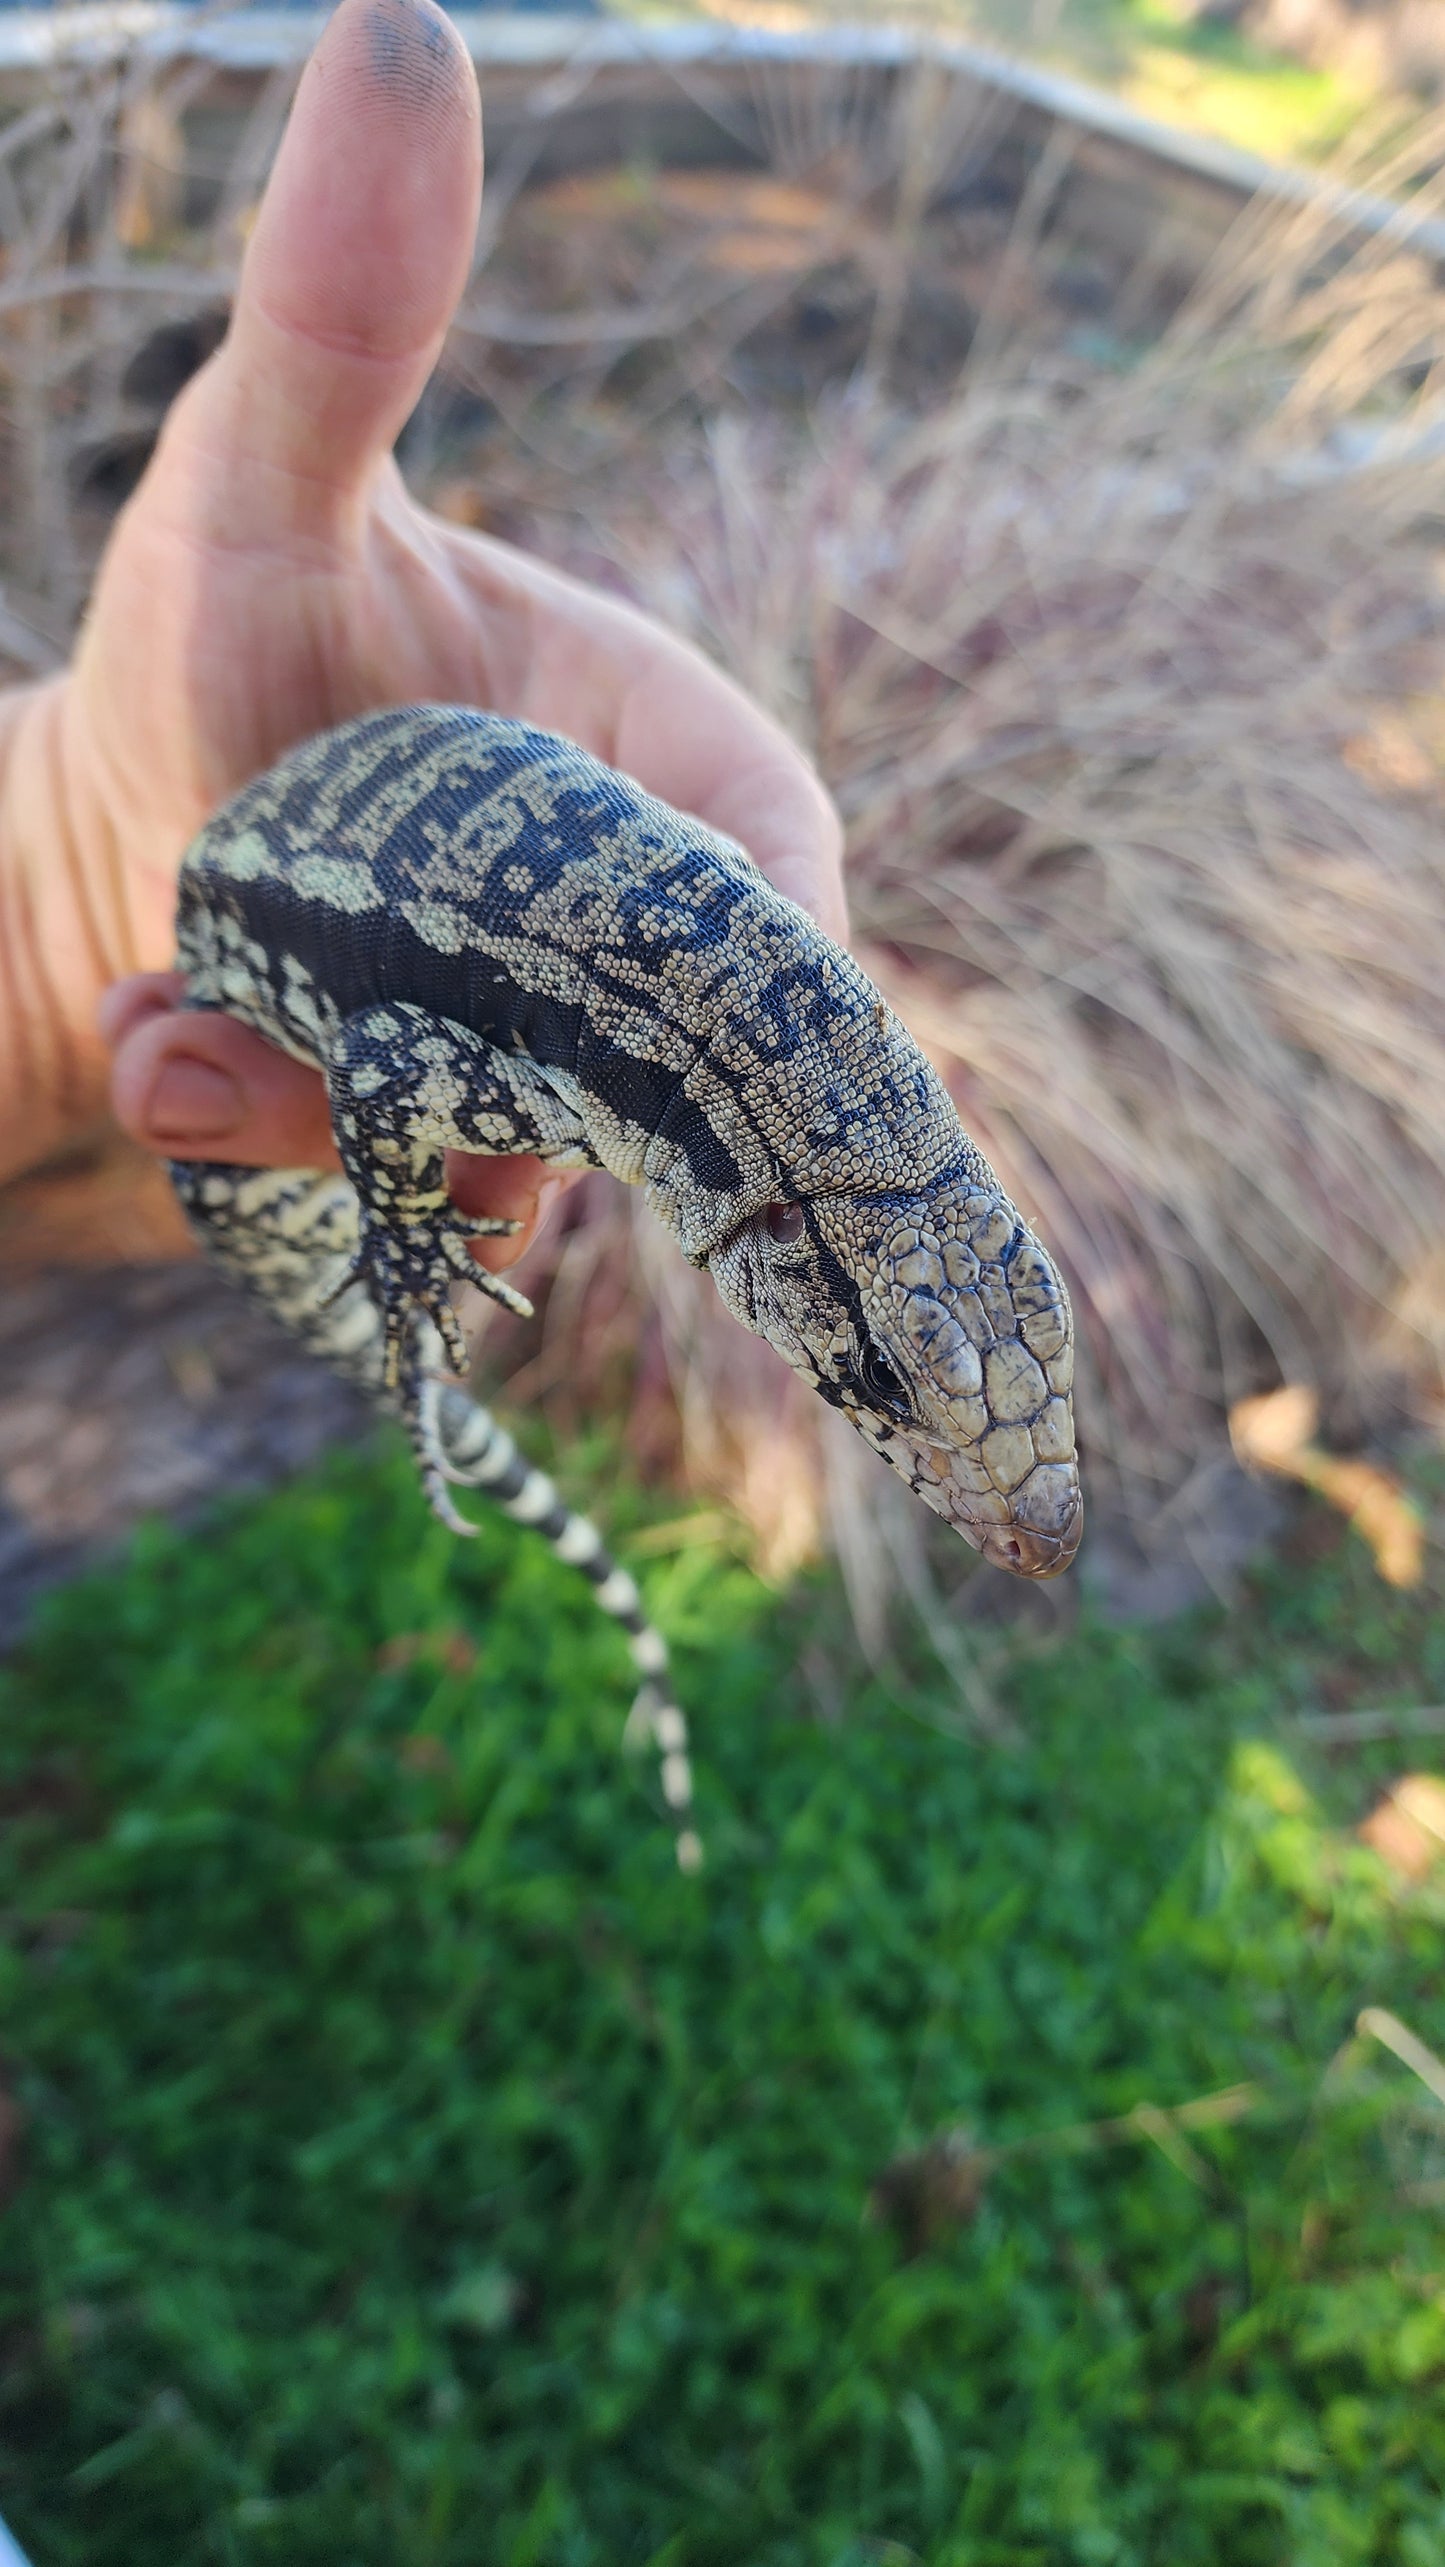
(489, 941)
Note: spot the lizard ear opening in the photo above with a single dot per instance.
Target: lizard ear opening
(783, 1223)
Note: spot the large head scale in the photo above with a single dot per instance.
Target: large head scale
(942, 1329)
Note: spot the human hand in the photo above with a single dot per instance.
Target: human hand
(272, 576)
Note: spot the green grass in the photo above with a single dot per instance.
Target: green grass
(415, 2168)
(1184, 69)
(1192, 72)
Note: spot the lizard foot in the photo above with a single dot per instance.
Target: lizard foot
(408, 1270)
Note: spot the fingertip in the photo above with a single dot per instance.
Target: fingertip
(358, 257)
(520, 1189)
(364, 236)
(795, 837)
(551, 1187)
(130, 1002)
(817, 886)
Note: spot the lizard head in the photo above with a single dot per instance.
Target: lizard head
(942, 1329)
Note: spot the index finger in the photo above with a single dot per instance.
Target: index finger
(696, 740)
(782, 814)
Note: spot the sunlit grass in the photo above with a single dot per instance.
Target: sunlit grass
(1152, 52)
(415, 2167)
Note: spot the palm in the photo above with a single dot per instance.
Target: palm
(203, 662)
(272, 575)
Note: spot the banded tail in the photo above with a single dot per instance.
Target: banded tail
(285, 1233)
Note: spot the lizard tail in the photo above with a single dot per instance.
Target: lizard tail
(481, 1454)
(286, 1233)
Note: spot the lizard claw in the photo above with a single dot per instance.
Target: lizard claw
(463, 1264)
(352, 1272)
(422, 1411)
(504, 1294)
(407, 1271)
(434, 1482)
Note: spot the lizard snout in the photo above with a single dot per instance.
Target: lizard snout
(1026, 1553)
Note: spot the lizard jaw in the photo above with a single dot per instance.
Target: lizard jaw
(1033, 1532)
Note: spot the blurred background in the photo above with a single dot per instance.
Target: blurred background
(1025, 2142)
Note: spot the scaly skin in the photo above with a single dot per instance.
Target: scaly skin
(491, 942)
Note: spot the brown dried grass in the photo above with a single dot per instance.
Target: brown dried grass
(1129, 690)
(1127, 681)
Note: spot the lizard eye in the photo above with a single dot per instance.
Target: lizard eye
(784, 1223)
(881, 1382)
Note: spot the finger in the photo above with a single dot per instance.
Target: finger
(128, 1003)
(197, 1085)
(359, 255)
(522, 1189)
(193, 1084)
(784, 816)
(559, 652)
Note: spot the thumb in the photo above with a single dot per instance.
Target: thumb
(358, 258)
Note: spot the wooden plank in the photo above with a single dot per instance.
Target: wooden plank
(566, 54)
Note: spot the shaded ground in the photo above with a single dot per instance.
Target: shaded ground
(127, 1392)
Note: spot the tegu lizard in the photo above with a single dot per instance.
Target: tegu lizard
(491, 942)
